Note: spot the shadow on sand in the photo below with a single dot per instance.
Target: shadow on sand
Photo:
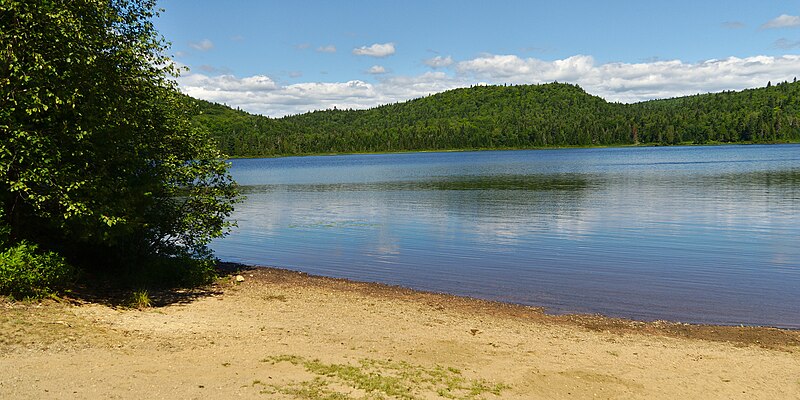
(102, 291)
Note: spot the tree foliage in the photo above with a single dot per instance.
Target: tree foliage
(97, 159)
(517, 116)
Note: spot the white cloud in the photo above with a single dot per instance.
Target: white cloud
(513, 69)
(439, 61)
(630, 82)
(624, 82)
(401, 88)
(783, 21)
(228, 83)
(376, 50)
(327, 49)
(376, 70)
(203, 45)
(262, 95)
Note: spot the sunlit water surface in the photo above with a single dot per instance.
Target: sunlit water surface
(692, 234)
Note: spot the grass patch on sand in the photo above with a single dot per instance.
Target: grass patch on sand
(140, 299)
(379, 379)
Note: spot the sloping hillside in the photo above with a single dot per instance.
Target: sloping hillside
(521, 116)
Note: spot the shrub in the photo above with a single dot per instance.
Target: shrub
(27, 272)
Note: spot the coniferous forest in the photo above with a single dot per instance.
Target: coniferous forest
(510, 117)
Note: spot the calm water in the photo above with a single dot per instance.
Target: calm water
(692, 234)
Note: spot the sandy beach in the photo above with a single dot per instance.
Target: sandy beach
(286, 335)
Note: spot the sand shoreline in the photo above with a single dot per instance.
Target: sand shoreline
(764, 336)
(285, 334)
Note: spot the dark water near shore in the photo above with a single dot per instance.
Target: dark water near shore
(692, 234)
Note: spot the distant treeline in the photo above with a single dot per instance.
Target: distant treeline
(520, 116)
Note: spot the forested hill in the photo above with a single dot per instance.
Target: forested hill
(520, 116)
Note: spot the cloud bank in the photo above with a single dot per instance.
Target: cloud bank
(623, 82)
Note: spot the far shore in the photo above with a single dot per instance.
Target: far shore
(279, 334)
(478, 149)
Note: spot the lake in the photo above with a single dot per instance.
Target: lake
(693, 234)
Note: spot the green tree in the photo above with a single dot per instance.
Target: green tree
(97, 159)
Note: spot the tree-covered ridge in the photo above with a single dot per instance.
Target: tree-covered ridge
(763, 115)
(517, 116)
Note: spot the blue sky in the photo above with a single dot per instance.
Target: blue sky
(286, 57)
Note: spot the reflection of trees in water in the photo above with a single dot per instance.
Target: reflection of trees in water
(505, 206)
(787, 181)
(519, 198)
(569, 204)
(493, 182)
(571, 182)
(760, 189)
(549, 182)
